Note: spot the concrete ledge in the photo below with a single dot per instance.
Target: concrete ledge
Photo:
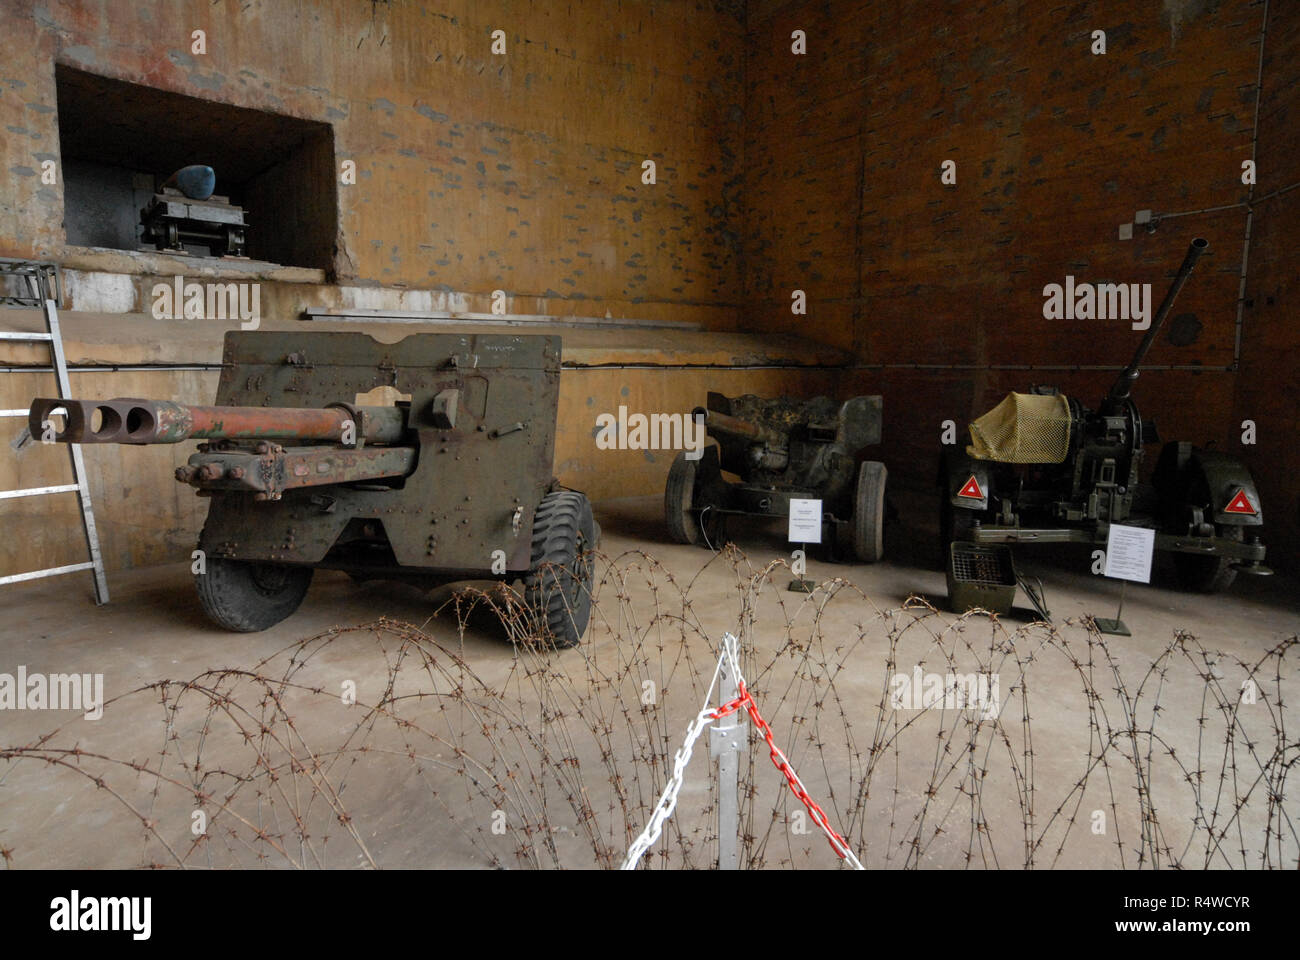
(115, 339)
(160, 264)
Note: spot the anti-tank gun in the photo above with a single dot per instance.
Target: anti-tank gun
(1043, 468)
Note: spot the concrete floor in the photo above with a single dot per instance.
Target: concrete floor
(405, 807)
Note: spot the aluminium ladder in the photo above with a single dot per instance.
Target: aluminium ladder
(46, 290)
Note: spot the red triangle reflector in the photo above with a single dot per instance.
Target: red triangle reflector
(1239, 504)
(973, 491)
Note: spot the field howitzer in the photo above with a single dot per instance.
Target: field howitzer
(307, 466)
(765, 448)
(245, 451)
(783, 449)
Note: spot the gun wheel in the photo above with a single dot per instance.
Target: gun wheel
(869, 512)
(679, 498)
(689, 521)
(246, 597)
(558, 588)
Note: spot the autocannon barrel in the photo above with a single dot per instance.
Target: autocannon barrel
(162, 421)
(1123, 385)
(722, 423)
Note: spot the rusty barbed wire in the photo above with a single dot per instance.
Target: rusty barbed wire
(1069, 751)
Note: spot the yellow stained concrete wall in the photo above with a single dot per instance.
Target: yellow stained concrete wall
(474, 171)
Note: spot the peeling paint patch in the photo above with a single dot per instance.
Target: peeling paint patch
(101, 292)
(214, 82)
(432, 114)
(386, 298)
(1179, 12)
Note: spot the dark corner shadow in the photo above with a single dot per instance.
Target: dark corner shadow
(629, 518)
(482, 625)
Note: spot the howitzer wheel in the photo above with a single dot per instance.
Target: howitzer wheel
(869, 512)
(689, 522)
(246, 597)
(679, 495)
(558, 588)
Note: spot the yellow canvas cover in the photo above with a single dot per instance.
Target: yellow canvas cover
(1023, 428)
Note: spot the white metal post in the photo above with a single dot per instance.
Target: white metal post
(728, 739)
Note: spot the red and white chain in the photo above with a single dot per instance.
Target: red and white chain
(668, 800)
(744, 700)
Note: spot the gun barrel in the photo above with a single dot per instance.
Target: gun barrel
(162, 421)
(732, 426)
(1123, 385)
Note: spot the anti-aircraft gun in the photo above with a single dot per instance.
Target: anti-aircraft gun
(782, 450)
(1042, 468)
(450, 481)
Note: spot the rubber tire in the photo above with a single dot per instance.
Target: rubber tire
(869, 511)
(558, 587)
(683, 525)
(1208, 574)
(246, 597)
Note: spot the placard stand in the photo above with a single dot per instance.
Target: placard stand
(805, 526)
(1128, 557)
(1117, 626)
(799, 584)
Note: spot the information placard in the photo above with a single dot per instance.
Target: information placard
(1128, 553)
(805, 521)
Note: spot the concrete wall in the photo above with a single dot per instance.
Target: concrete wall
(475, 172)
(1269, 389)
(1054, 147)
